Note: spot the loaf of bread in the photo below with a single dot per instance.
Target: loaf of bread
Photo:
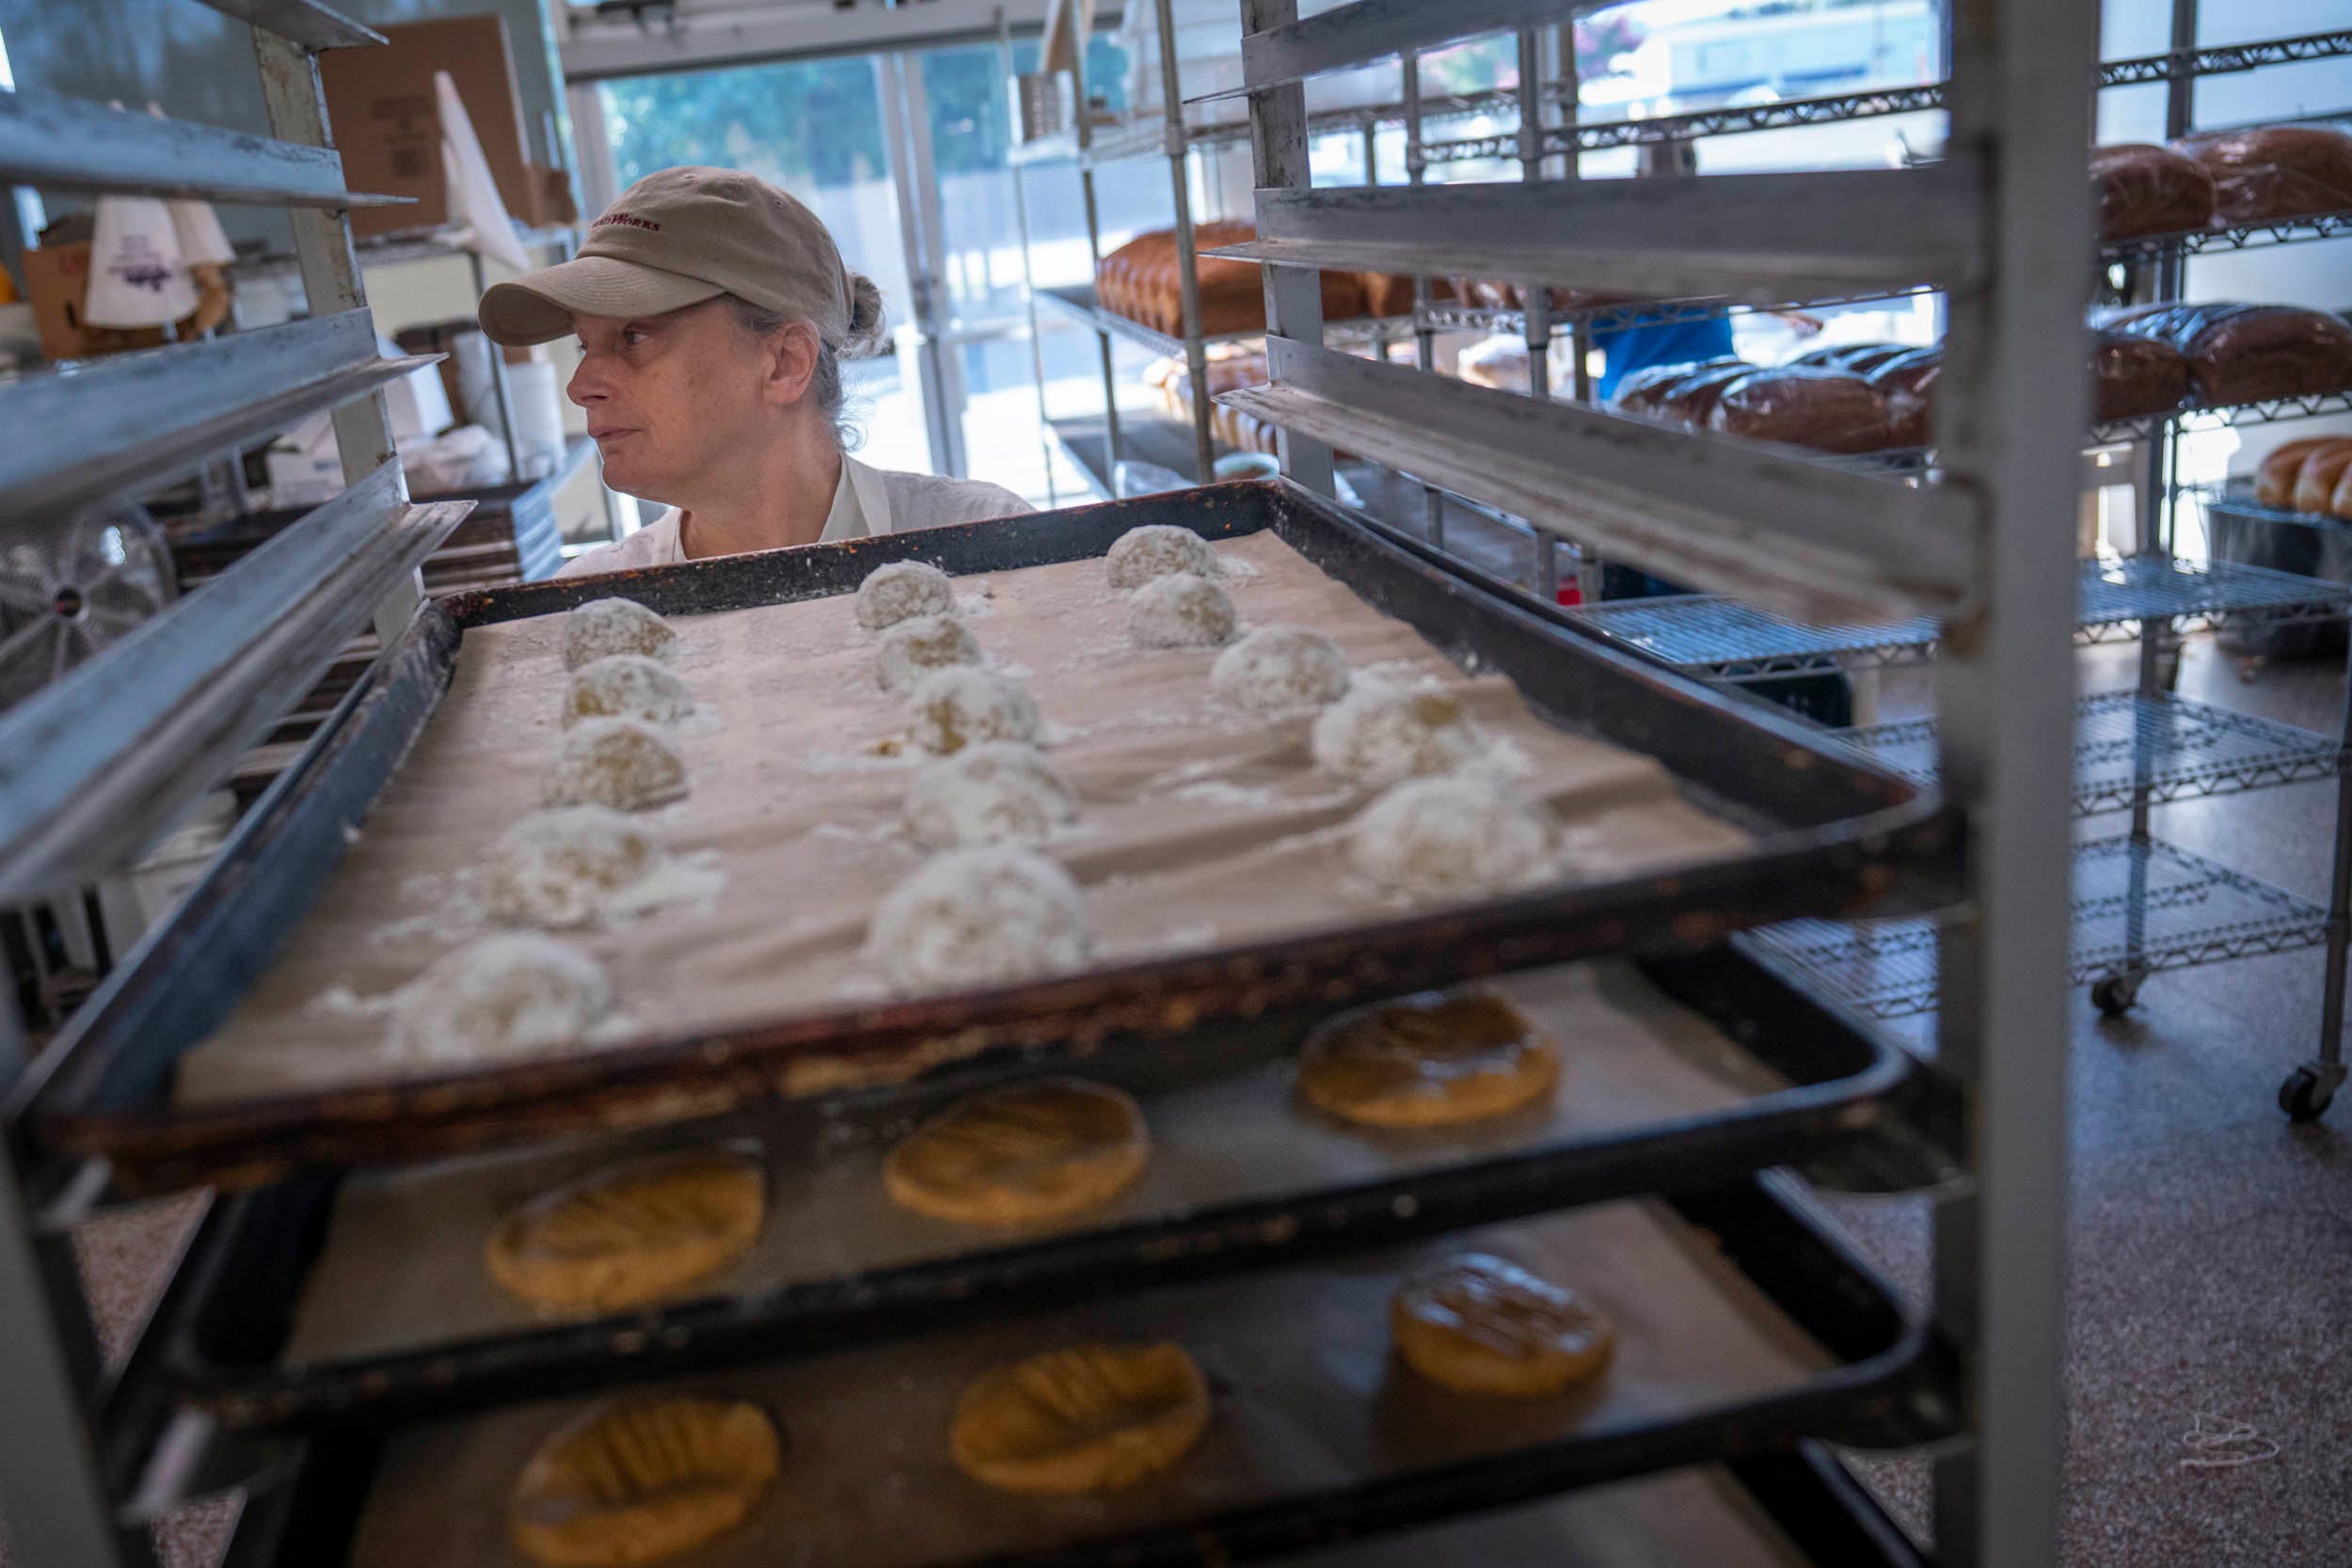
(1644, 391)
(1908, 384)
(2321, 477)
(1861, 358)
(1691, 400)
(2145, 190)
(1143, 281)
(2254, 353)
(2272, 172)
(1805, 405)
(2132, 376)
(1390, 294)
(1500, 362)
(2275, 477)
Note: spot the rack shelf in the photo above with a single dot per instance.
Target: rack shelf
(2159, 748)
(1719, 639)
(1123, 141)
(1079, 303)
(1147, 438)
(2139, 907)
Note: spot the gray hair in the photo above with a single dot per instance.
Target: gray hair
(825, 385)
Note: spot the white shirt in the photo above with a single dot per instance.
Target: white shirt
(867, 501)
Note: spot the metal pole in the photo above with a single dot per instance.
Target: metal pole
(1537, 311)
(498, 377)
(1570, 166)
(1187, 260)
(1029, 281)
(1082, 134)
(1294, 296)
(1425, 331)
(2019, 116)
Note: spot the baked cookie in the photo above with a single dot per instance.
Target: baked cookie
(638, 1480)
(1017, 1155)
(633, 1233)
(1481, 1326)
(1091, 1418)
(1434, 1060)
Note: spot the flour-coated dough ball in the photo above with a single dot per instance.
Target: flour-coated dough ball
(1382, 734)
(1279, 670)
(515, 994)
(902, 590)
(1181, 610)
(913, 649)
(980, 917)
(623, 763)
(602, 627)
(1156, 550)
(997, 792)
(558, 869)
(962, 707)
(1457, 836)
(626, 686)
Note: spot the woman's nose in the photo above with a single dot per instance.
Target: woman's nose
(584, 388)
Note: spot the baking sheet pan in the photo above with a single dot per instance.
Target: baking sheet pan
(334, 1299)
(1837, 836)
(1312, 1409)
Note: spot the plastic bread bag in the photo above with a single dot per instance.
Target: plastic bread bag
(2266, 173)
(1691, 400)
(1644, 391)
(2254, 353)
(2143, 189)
(1810, 407)
(2132, 376)
(1908, 384)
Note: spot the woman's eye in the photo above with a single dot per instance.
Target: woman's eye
(634, 336)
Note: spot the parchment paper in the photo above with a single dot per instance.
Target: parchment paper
(1200, 827)
(1308, 1396)
(402, 1265)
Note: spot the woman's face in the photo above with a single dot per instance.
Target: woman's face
(670, 398)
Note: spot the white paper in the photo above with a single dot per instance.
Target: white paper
(137, 277)
(473, 196)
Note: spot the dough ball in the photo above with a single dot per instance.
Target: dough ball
(962, 706)
(1481, 1325)
(1093, 1418)
(626, 686)
(901, 592)
(997, 792)
(602, 627)
(623, 763)
(1381, 734)
(1459, 837)
(640, 1480)
(1279, 670)
(514, 994)
(913, 649)
(1181, 610)
(631, 1233)
(979, 917)
(1141, 554)
(555, 869)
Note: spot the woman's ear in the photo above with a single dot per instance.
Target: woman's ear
(791, 363)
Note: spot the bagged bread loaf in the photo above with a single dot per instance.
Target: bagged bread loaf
(2142, 189)
(1646, 391)
(1908, 384)
(1861, 358)
(2133, 376)
(2272, 172)
(1804, 405)
(1691, 400)
(2274, 476)
(2254, 353)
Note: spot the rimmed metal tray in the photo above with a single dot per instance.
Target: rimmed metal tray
(1834, 836)
(1745, 1329)
(335, 1298)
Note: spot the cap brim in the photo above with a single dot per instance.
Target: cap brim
(538, 307)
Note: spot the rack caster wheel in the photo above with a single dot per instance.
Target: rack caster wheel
(2114, 994)
(2305, 1096)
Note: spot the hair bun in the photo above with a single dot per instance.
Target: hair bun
(866, 316)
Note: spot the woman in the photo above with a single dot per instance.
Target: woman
(712, 312)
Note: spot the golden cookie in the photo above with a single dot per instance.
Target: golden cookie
(1093, 1418)
(1481, 1326)
(1428, 1061)
(1033, 1151)
(631, 1234)
(636, 1480)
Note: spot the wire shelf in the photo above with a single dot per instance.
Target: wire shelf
(2139, 908)
(2244, 236)
(1448, 317)
(1721, 638)
(2309, 405)
(2128, 746)
(1123, 141)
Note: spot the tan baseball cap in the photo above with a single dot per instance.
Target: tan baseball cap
(677, 238)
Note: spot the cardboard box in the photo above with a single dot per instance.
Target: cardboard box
(387, 123)
(56, 278)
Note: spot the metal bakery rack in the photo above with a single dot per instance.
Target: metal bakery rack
(1754, 1341)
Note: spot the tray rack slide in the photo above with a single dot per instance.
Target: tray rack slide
(1745, 1330)
(1834, 835)
(375, 1303)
